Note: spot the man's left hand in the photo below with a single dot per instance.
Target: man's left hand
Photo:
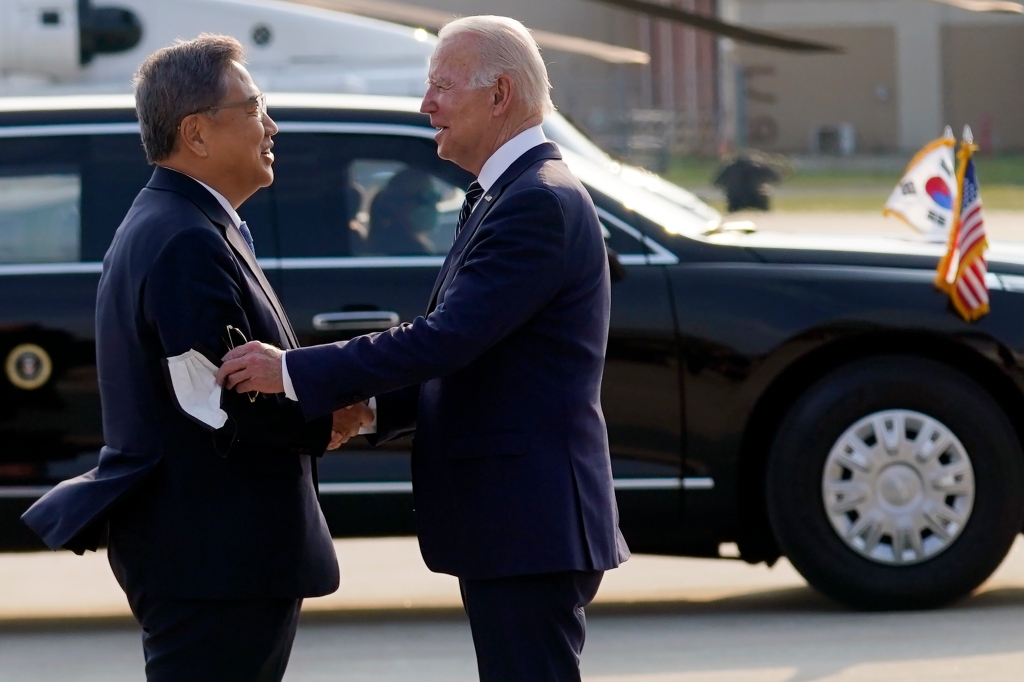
(254, 366)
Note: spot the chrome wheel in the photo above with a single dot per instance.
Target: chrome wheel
(898, 487)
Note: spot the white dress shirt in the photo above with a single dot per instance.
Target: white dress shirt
(236, 220)
(228, 208)
(493, 168)
(507, 154)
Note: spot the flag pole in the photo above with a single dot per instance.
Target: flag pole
(950, 263)
(961, 273)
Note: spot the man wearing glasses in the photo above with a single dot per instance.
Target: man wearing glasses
(214, 528)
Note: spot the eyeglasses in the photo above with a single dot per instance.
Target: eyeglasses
(259, 102)
(232, 332)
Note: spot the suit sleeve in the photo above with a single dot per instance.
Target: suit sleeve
(516, 266)
(396, 414)
(191, 294)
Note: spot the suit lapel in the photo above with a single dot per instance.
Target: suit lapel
(468, 230)
(242, 250)
(173, 181)
(541, 152)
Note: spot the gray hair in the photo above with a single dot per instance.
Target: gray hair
(506, 49)
(179, 80)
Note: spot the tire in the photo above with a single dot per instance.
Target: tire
(922, 568)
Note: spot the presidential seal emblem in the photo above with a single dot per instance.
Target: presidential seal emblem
(28, 366)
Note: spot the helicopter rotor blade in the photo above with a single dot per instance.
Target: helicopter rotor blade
(433, 20)
(1000, 6)
(724, 29)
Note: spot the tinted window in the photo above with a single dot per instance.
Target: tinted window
(258, 214)
(621, 242)
(364, 195)
(401, 209)
(114, 171)
(40, 218)
(41, 194)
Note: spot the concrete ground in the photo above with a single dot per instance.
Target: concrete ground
(377, 574)
(657, 619)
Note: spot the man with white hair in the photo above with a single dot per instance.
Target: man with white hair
(501, 379)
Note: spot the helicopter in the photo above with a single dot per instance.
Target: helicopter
(51, 47)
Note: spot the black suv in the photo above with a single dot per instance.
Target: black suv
(765, 394)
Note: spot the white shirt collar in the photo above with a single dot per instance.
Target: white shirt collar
(223, 202)
(507, 154)
(228, 208)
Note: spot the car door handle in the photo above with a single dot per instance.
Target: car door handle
(364, 320)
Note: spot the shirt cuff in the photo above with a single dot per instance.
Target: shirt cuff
(289, 390)
(372, 428)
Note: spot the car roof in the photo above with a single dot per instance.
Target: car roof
(285, 100)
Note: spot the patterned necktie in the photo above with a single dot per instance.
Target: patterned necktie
(247, 236)
(472, 196)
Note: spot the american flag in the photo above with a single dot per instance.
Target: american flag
(962, 270)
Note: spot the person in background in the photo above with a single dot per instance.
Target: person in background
(402, 215)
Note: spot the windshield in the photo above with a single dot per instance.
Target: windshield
(673, 217)
(567, 136)
(676, 209)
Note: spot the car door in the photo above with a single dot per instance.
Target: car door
(641, 390)
(63, 191)
(364, 222)
(62, 195)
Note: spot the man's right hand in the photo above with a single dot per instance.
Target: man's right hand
(347, 422)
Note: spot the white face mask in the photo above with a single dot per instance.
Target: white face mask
(195, 388)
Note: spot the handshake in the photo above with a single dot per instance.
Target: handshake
(346, 423)
(257, 366)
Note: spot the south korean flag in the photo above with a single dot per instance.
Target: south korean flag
(925, 197)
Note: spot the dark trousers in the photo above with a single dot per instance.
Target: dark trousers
(530, 628)
(191, 640)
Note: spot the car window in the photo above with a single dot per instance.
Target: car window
(310, 183)
(621, 242)
(342, 195)
(42, 183)
(258, 214)
(40, 217)
(114, 171)
(399, 209)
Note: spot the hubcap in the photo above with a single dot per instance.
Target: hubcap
(898, 487)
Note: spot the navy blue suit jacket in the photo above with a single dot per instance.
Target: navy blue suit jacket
(501, 382)
(192, 514)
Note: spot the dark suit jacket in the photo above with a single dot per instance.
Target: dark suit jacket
(501, 382)
(192, 514)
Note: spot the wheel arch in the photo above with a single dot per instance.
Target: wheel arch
(978, 360)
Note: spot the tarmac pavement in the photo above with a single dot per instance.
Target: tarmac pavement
(377, 574)
(657, 619)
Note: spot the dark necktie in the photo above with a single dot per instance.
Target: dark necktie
(472, 196)
(247, 236)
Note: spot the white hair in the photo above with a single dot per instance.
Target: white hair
(506, 49)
